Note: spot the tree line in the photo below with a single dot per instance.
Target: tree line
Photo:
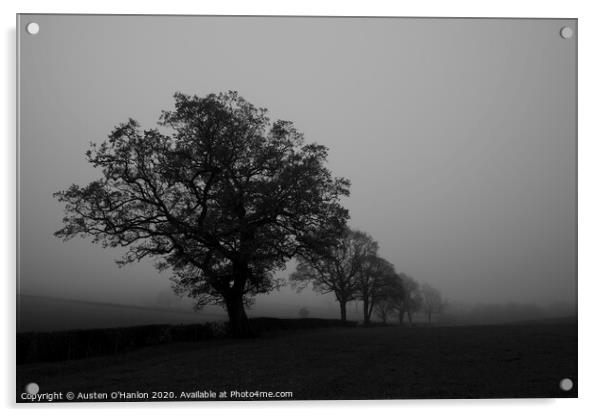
(351, 269)
(223, 197)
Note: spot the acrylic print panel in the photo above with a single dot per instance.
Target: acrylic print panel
(296, 208)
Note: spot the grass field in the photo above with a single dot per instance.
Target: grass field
(526, 360)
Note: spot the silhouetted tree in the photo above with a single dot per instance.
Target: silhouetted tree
(387, 291)
(371, 276)
(432, 301)
(303, 312)
(409, 299)
(383, 308)
(223, 198)
(333, 268)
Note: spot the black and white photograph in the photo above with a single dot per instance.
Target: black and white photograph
(287, 208)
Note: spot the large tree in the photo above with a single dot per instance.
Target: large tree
(334, 268)
(220, 195)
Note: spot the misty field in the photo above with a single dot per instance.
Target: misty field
(526, 360)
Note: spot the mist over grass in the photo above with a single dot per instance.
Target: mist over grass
(42, 314)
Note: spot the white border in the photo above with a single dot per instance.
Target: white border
(590, 200)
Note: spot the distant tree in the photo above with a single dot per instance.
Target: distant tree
(222, 198)
(388, 292)
(383, 309)
(334, 268)
(371, 277)
(304, 312)
(432, 302)
(409, 299)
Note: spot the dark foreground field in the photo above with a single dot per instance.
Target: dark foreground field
(525, 360)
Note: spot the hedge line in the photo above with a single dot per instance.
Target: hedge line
(77, 344)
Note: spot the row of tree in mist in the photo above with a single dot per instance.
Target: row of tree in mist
(222, 197)
(351, 269)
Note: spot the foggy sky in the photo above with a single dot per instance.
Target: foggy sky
(458, 136)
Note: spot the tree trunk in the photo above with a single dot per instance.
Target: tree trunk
(410, 317)
(343, 306)
(239, 323)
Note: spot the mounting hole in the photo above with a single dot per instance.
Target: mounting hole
(566, 32)
(32, 388)
(566, 384)
(32, 28)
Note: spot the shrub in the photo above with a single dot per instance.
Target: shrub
(77, 344)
